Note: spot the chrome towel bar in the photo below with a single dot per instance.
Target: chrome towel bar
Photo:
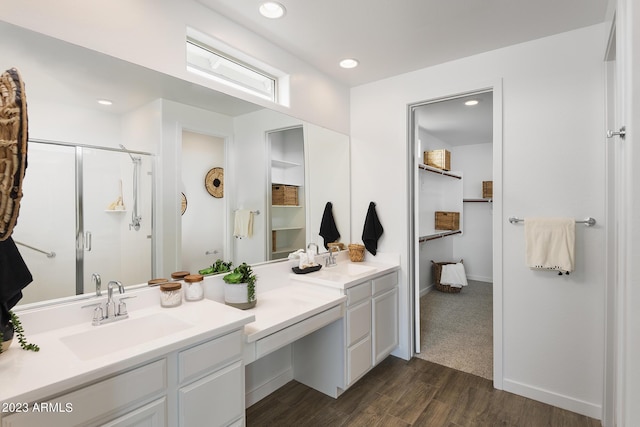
(587, 221)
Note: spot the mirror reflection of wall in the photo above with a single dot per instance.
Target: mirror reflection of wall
(71, 211)
(287, 207)
(149, 113)
(204, 221)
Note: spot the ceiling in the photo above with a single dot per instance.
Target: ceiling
(391, 37)
(453, 122)
(57, 71)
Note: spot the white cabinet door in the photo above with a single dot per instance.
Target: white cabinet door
(358, 322)
(385, 324)
(215, 400)
(150, 415)
(358, 360)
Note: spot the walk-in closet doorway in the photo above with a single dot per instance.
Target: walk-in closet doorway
(462, 330)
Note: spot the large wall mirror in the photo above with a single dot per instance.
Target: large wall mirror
(157, 150)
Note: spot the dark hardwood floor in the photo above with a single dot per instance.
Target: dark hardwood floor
(414, 393)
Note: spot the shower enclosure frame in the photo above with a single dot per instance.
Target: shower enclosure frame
(82, 237)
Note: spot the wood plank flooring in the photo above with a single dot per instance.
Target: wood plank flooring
(414, 393)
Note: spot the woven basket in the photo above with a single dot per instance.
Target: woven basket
(356, 252)
(437, 272)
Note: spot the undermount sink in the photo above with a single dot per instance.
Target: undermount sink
(105, 339)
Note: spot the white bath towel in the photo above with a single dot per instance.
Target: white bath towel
(550, 243)
(453, 275)
(243, 224)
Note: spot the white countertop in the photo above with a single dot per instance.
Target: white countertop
(28, 375)
(65, 362)
(338, 277)
(287, 305)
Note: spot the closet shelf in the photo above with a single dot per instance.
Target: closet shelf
(434, 236)
(438, 171)
(284, 164)
(478, 200)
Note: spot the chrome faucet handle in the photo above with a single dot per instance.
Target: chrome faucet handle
(122, 307)
(97, 312)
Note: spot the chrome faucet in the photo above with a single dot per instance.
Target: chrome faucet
(111, 304)
(110, 313)
(95, 278)
(331, 261)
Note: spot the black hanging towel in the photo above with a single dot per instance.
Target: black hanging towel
(328, 229)
(372, 230)
(14, 276)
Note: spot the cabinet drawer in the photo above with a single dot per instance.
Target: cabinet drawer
(359, 322)
(358, 360)
(215, 400)
(385, 283)
(151, 415)
(298, 330)
(358, 293)
(205, 357)
(86, 405)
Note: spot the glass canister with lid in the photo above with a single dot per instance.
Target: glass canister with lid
(179, 275)
(193, 287)
(171, 294)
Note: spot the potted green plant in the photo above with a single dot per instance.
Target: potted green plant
(217, 267)
(7, 333)
(240, 287)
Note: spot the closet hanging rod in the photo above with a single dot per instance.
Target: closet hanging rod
(587, 221)
(438, 236)
(438, 171)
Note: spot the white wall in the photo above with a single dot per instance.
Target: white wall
(175, 118)
(153, 34)
(475, 245)
(552, 95)
(204, 221)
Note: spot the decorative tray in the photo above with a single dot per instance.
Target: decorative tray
(297, 270)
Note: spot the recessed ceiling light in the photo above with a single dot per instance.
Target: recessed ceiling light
(349, 63)
(272, 10)
(471, 102)
(104, 102)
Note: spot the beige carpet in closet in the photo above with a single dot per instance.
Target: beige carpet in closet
(457, 329)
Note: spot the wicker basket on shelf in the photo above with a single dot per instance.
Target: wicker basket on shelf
(356, 252)
(437, 272)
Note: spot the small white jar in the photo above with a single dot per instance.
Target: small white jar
(193, 287)
(171, 294)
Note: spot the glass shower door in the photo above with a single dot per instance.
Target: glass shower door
(46, 225)
(116, 217)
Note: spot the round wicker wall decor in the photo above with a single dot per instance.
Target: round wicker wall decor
(13, 148)
(214, 182)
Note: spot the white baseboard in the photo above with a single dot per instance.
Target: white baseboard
(480, 278)
(260, 392)
(426, 290)
(561, 401)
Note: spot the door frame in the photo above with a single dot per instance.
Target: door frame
(497, 232)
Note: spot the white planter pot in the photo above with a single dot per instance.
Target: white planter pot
(237, 295)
